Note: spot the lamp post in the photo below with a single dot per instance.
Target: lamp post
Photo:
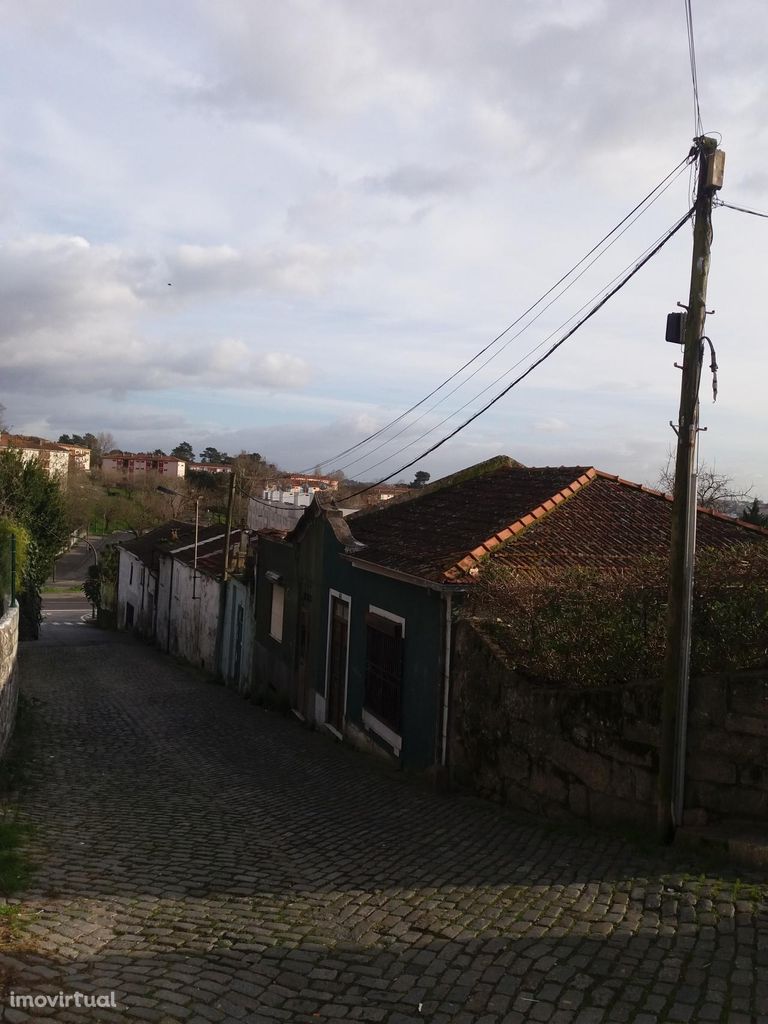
(185, 497)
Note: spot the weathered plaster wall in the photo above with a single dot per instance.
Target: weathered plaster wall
(9, 679)
(137, 588)
(593, 754)
(236, 648)
(187, 625)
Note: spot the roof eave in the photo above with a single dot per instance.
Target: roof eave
(403, 577)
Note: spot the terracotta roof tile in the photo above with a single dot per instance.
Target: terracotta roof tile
(529, 518)
(611, 523)
(457, 522)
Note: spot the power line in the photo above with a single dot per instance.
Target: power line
(514, 366)
(482, 351)
(741, 209)
(697, 125)
(606, 298)
(506, 344)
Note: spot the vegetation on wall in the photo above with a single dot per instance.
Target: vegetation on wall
(32, 500)
(100, 586)
(14, 553)
(584, 627)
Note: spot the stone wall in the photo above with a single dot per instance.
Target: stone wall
(563, 752)
(9, 678)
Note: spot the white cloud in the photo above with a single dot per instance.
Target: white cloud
(88, 316)
(350, 198)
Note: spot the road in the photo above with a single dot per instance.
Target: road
(208, 861)
(67, 622)
(73, 566)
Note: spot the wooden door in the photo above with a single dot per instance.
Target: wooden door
(338, 647)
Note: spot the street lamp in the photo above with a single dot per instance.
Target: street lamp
(185, 497)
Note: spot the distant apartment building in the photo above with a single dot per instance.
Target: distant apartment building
(302, 482)
(208, 467)
(131, 466)
(79, 457)
(53, 457)
(282, 509)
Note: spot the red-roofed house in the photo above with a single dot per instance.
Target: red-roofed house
(355, 616)
(53, 457)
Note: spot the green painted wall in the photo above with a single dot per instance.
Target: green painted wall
(311, 567)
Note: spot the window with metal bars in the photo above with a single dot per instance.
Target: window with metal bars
(384, 670)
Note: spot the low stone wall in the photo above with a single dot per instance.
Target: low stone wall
(593, 754)
(9, 677)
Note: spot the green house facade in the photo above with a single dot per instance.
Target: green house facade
(356, 649)
(355, 617)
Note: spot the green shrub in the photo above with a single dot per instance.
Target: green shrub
(586, 627)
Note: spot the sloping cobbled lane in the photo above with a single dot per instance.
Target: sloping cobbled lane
(206, 861)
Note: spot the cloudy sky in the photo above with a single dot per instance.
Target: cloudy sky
(276, 225)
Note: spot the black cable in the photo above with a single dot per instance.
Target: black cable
(609, 295)
(741, 209)
(697, 125)
(506, 330)
(506, 344)
(246, 494)
(497, 380)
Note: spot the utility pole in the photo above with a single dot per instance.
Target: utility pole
(228, 532)
(674, 718)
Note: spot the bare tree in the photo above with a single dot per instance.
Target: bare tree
(715, 490)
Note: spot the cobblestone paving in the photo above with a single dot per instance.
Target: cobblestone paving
(209, 861)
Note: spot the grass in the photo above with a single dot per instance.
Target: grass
(76, 588)
(13, 921)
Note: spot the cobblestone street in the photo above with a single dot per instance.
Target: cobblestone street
(209, 861)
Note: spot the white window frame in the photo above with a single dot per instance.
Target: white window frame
(370, 721)
(348, 601)
(275, 587)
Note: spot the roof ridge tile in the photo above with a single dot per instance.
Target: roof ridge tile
(470, 561)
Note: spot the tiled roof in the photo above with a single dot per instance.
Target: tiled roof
(210, 550)
(528, 518)
(610, 523)
(28, 441)
(165, 538)
(462, 516)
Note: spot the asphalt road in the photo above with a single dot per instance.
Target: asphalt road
(73, 566)
(67, 622)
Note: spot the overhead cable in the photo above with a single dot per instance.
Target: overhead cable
(507, 343)
(592, 299)
(377, 433)
(697, 124)
(561, 341)
(741, 209)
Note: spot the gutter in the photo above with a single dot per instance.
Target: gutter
(170, 597)
(446, 678)
(404, 577)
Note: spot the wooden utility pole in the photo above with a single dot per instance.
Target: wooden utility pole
(682, 545)
(228, 531)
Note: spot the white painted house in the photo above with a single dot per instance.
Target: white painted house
(170, 589)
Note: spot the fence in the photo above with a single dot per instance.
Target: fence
(7, 573)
